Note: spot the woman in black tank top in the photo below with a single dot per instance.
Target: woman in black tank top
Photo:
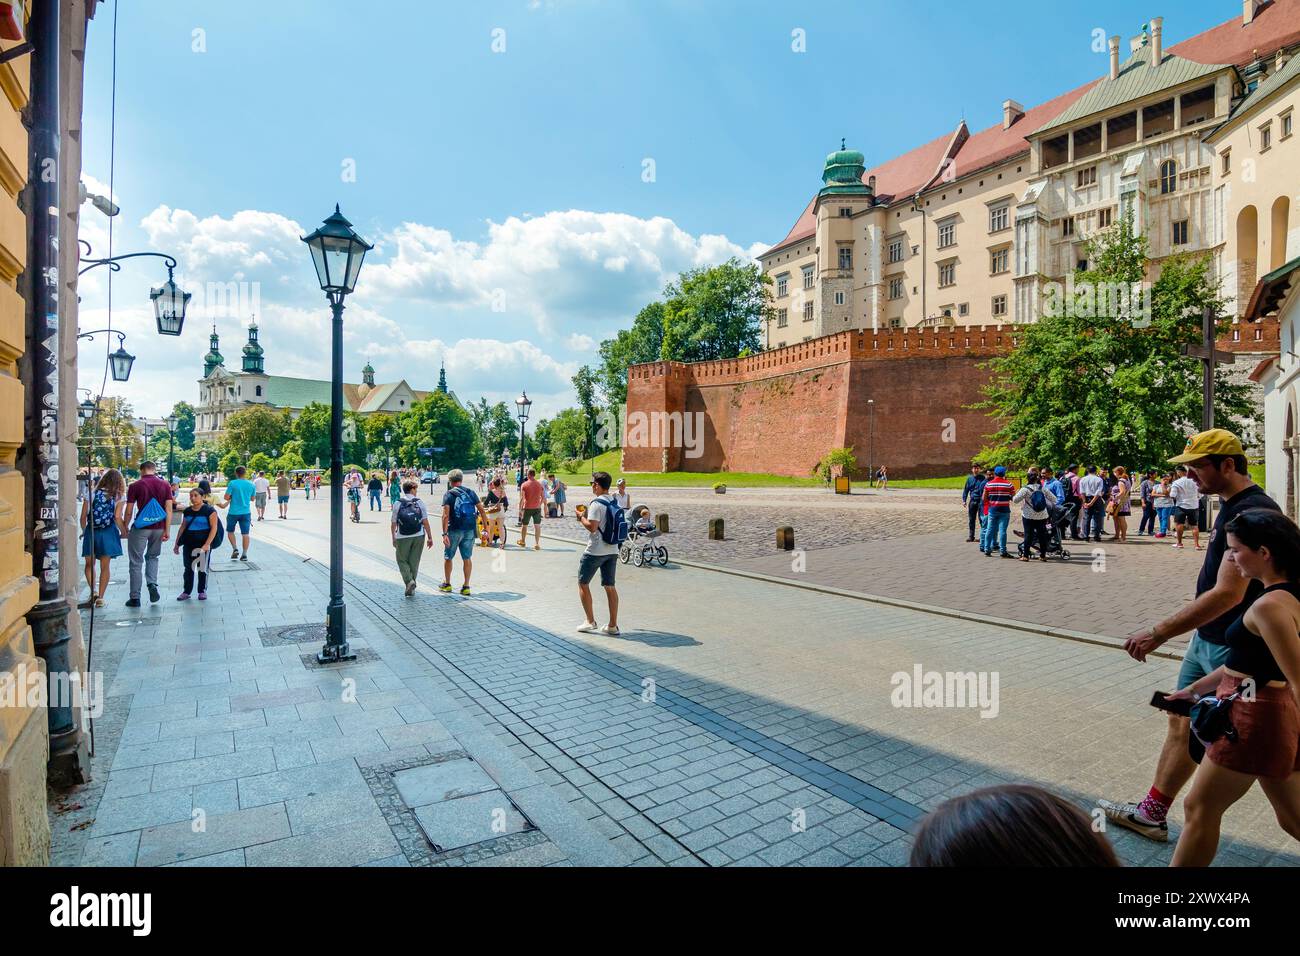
(1263, 668)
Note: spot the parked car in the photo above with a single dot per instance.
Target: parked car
(430, 478)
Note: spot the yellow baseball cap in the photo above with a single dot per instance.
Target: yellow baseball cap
(1216, 441)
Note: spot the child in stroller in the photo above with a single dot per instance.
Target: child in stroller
(640, 547)
(1059, 518)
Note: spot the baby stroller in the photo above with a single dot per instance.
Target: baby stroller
(640, 547)
(1058, 523)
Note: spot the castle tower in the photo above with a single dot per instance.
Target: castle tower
(253, 353)
(848, 236)
(213, 358)
(368, 375)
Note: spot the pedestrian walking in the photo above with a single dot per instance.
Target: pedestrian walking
(261, 488)
(1121, 503)
(1162, 497)
(148, 515)
(996, 494)
(395, 490)
(411, 523)
(376, 488)
(1146, 491)
(102, 528)
(1092, 491)
(621, 496)
(1222, 596)
(971, 495)
(1070, 485)
(882, 477)
(1253, 686)
(282, 489)
(531, 498)
(606, 525)
(1035, 503)
(1187, 508)
(239, 495)
(495, 506)
(461, 510)
(561, 494)
(194, 541)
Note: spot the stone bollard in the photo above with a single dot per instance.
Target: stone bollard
(715, 529)
(661, 522)
(785, 538)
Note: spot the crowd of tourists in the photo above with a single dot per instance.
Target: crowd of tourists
(1074, 504)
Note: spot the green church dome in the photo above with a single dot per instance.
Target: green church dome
(843, 173)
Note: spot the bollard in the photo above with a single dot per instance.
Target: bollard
(661, 522)
(715, 529)
(785, 538)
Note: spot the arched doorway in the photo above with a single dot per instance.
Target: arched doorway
(1247, 255)
(1277, 234)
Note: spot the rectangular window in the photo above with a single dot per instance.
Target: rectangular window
(948, 274)
(998, 218)
(1180, 232)
(963, 309)
(998, 261)
(846, 258)
(1286, 126)
(1227, 161)
(999, 305)
(896, 288)
(782, 319)
(896, 250)
(846, 212)
(1105, 217)
(807, 277)
(839, 298)
(946, 235)
(1265, 136)
(1067, 226)
(1085, 177)
(783, 285)
(807, 311)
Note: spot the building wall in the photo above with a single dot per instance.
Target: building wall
(781, 410)
(24, 734)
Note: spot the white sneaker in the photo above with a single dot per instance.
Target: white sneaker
(610, 631)
(1127, 815)
(588, 627)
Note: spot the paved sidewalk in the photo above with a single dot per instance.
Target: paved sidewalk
(743, 722)
(217, 749)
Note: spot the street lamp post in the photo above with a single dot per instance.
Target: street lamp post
(523, 403)
(337, 252)
(871, 442)
(388, 449)
(172, 422)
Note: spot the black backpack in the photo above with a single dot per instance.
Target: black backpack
(409, 519)
(1038, 500)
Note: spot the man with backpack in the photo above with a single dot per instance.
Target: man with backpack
(606, 523)
(461, 510)
(149, 500)
(410, 523)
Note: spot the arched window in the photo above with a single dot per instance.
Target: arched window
(259, 391)
(1168, 177)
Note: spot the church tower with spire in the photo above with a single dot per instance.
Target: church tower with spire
(442, 378)
(213, 358)
(253, 353)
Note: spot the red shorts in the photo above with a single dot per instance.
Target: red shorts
(1268, 733)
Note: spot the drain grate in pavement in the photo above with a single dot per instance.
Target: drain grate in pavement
(225, 567)
(288, 634)
(445, 810)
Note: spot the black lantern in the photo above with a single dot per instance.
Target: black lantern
(120, 363)
(524, 403)
(169, 303)
(86, 410)
(337, 252)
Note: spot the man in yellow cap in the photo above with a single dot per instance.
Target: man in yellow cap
(1216, 461)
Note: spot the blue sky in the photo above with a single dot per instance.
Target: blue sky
(499, 152)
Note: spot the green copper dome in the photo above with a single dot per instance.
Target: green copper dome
(843, 173)
(213, 358)
(253, 361)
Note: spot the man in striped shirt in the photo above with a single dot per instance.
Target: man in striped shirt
(997, 495)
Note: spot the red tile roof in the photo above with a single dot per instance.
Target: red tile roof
(1276, 25)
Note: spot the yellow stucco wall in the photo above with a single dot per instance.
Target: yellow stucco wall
(24, 830)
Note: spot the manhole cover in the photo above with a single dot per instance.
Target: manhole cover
(464, 821)
(287, 634)
(227, 566)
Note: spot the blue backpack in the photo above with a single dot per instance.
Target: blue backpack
(613, 529)
(464, 513)
(1038, 500)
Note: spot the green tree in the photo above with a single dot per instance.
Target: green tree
(312, 428)
(257, 428)
(643, 342)
(228, 463)
(355, 445)
(1091, 381)
(109, 439)
(715, 313)
(184, 413)
(438, 421)
(260, 462)
(568, 434)
(587, 385)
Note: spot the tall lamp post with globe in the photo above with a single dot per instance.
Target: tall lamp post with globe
(337, 252)
(172, 422)
(523, 403)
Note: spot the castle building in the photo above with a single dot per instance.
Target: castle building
(222, 392)
(970, 227)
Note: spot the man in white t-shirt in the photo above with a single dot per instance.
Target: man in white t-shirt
(261, 488)
(599, 556)
(1187, 500)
